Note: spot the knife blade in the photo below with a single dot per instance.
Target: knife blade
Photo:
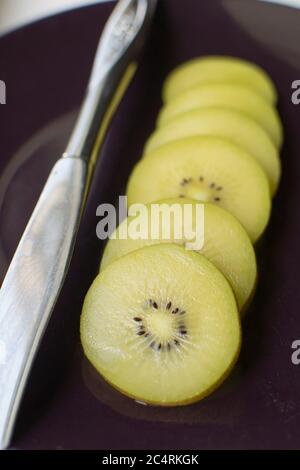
(38, 269)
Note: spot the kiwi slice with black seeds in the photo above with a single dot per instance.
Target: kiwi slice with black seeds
(161, 325)
(206, 169)
(232, 125)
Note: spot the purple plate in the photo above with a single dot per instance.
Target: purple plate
(45, 67)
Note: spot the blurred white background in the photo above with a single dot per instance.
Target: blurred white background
(14, 13)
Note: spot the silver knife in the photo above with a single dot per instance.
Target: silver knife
(39, 266)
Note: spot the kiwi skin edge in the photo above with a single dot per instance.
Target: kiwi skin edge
(244, 309)
(188, 401)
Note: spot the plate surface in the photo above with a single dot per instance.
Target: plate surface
(45, 67)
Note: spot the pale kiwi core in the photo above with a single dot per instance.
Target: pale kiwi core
(164, 329)
(200, 190)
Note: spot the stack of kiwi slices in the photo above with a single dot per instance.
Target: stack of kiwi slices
(161, 322)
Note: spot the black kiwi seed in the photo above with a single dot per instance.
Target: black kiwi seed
(159, 346)
(217, 199)
(154, 305)
(176, 310)
(212, 185)
(183, 332)
(140, 333)
(176, 342)
(182, 312)
(137, 319)
(169, 305)
(152, 345)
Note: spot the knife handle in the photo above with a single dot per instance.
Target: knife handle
(114, 65)
(33, 281)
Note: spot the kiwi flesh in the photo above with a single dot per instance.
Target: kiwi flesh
(161, 325)
(228, 96)
(206, 169)
(235, 126)
(226, 243)
(219, 69)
